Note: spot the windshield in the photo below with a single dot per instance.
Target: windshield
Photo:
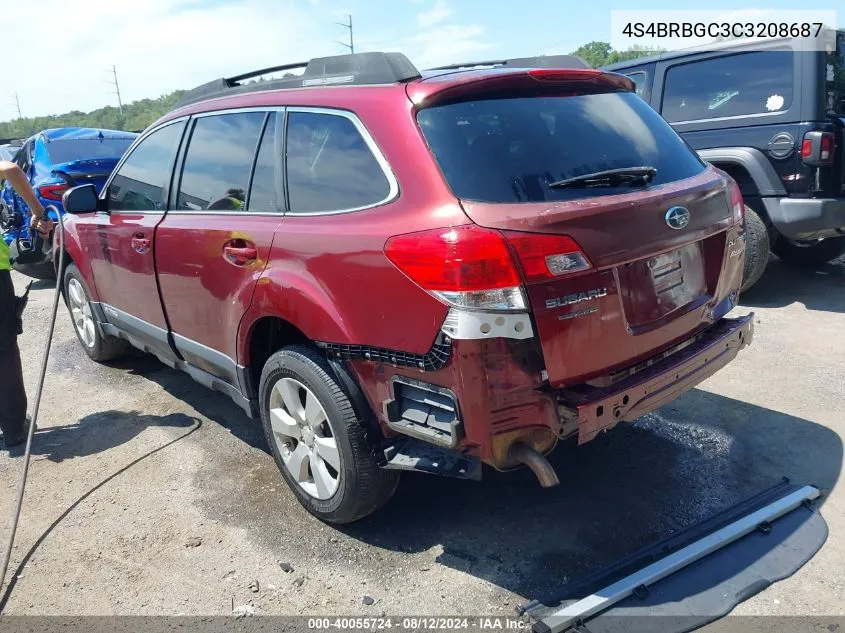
(835, 77)
(64, 151)
(512, 149)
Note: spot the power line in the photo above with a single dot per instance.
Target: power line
(113, 71)
(348, 25)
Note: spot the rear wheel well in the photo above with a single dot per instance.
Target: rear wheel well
(269, 335)
(67, 260)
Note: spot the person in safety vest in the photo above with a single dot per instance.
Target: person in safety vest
(13, 419)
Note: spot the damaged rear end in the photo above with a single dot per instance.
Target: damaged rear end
(598, 237)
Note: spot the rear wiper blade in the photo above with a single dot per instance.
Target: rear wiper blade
(608, 178)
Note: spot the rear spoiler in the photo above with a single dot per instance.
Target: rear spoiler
(462, 84)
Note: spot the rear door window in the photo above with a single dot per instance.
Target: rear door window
(266, 189)
(218, 163)
(735, 85)
(511, 149)
(330, 166)
(140, 182)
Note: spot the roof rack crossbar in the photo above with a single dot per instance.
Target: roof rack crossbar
(264, 71)
(360, 69)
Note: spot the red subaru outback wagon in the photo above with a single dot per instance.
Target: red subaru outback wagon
(399, 270)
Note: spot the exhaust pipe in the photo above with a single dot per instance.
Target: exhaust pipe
(539, 465)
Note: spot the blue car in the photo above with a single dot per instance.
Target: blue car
(56, 160)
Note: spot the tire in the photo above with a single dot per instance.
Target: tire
(299, 375)
(756, 249)
(809, 254)
(97, 345)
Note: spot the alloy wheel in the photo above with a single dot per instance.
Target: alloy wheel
(304, 438)
(80, 310)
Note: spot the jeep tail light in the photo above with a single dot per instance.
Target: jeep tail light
(52, 192)
(465, 266)
(817, 148)
(806, 148)
(737, 203)
(826, 151)
(545, 256)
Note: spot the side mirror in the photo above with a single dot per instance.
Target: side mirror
(81, 199)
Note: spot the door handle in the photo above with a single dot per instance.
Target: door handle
(239, 252)
(141, 244)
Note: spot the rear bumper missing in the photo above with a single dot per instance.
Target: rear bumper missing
(643, 392)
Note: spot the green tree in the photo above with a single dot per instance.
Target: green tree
(135, 117)
(598, 54)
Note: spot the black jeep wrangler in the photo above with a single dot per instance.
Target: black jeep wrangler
(773, 117)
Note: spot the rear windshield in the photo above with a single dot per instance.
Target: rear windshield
(64, 151)
(510, 149)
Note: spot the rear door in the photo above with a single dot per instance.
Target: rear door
(215, 240)
(119, 242)
(645, 269)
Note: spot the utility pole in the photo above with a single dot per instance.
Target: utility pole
(18, 104)
(113, 71)
(348, 25)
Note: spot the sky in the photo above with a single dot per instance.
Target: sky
(59, 52)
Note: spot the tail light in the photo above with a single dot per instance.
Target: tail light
(547, 256)
(737, 203)
(817, 148)
(465, 266)
(806, 148)
(472, 267)
(826, 152)
(52, 192)
(568, 75)
(564, 74)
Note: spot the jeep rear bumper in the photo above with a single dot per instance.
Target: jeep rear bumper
(654, 386)
(807, 218)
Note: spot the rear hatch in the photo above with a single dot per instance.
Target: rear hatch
(629, 266)
(82, 160)
(82, 172)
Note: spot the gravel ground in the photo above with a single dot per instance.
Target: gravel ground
(150, 495)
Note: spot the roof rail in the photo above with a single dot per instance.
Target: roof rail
(543, 61)
(265, 71)
(356, 69)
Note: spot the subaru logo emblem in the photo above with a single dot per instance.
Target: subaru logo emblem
(677, 217)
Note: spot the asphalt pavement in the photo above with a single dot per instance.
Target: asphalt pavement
(150, 495)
